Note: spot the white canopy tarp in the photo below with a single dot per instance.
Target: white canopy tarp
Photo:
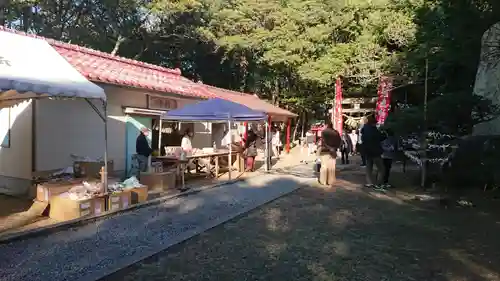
(30, 68)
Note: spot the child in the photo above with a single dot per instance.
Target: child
(390, 147)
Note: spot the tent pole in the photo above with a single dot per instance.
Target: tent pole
(266, 153)
(245, 135)
(105, 176)
(159, 136)
(103, 117)
(230, 164)
(269, 143)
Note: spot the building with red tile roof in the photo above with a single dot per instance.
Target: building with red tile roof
(46, 132)
(105, 68)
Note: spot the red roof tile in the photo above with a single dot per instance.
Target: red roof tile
(105, 68)
(252, 102)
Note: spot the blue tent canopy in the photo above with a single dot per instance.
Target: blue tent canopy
(214, 110)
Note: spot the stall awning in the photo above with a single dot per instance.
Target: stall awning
(253, 102)
(30, 67)
(214, 110)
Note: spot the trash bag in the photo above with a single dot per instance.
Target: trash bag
(131, 182)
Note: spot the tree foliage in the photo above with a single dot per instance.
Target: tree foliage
(287, 51)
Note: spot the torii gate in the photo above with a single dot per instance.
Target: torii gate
(381, 109)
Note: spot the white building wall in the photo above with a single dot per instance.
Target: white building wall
(202, 135)
(15, 160)
(65, 127)
(68, 127)
(72, 127)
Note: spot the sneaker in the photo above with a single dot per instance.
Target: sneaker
(379, 188)
(368, 185)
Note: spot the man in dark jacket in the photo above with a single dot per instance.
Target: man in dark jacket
(371, 140)
(143, 150)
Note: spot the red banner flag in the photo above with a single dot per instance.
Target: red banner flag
(337, 110)
(383, 99)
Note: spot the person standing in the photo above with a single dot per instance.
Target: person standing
(345, 147)
(354, 140)
(310, 143)
(372, 148)
(250, 150)
(330, 143)
(187, 147)
(390, 148)
(360, 142)
(186, 143)
(276, 143)
(143, 150)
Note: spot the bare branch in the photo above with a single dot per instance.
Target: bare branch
(118, 42)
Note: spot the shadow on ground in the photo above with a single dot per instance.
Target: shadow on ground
(342, 233)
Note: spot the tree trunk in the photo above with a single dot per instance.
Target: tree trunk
(3, 12)
(119, 41)
(303, 124)
(2, 16)
(295, 129)
(26, 18)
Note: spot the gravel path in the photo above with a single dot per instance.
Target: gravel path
(92, 251)
(346, 233)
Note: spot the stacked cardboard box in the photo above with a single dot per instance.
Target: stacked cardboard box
(63, 208)
(119, 200)
(159, 181)
(46, 190)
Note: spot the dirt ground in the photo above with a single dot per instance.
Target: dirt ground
(344, 233)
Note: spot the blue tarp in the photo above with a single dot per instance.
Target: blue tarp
(214, 110)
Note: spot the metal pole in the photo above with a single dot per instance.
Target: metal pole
(230, 164)
(425, 92)
(266, 153)
(269, 143)
(105, 175)
(159, 136)
(424, 137)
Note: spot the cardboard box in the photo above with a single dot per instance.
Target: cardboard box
(139, 194)
(119, 200)
(43, 174)
(93, 169)
(46, 190)
(62, 208)
(159, 181)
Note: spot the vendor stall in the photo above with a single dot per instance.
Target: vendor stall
(31, 69)
(215, 111)
(273, 112)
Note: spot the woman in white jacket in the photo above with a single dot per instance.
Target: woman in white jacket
(276, 143)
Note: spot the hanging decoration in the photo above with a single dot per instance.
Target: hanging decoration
(337, 108)
(383, 99)
(440, 149)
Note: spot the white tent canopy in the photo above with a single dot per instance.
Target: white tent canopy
(30, 68)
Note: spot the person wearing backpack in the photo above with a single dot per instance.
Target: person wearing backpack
(390, 148)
